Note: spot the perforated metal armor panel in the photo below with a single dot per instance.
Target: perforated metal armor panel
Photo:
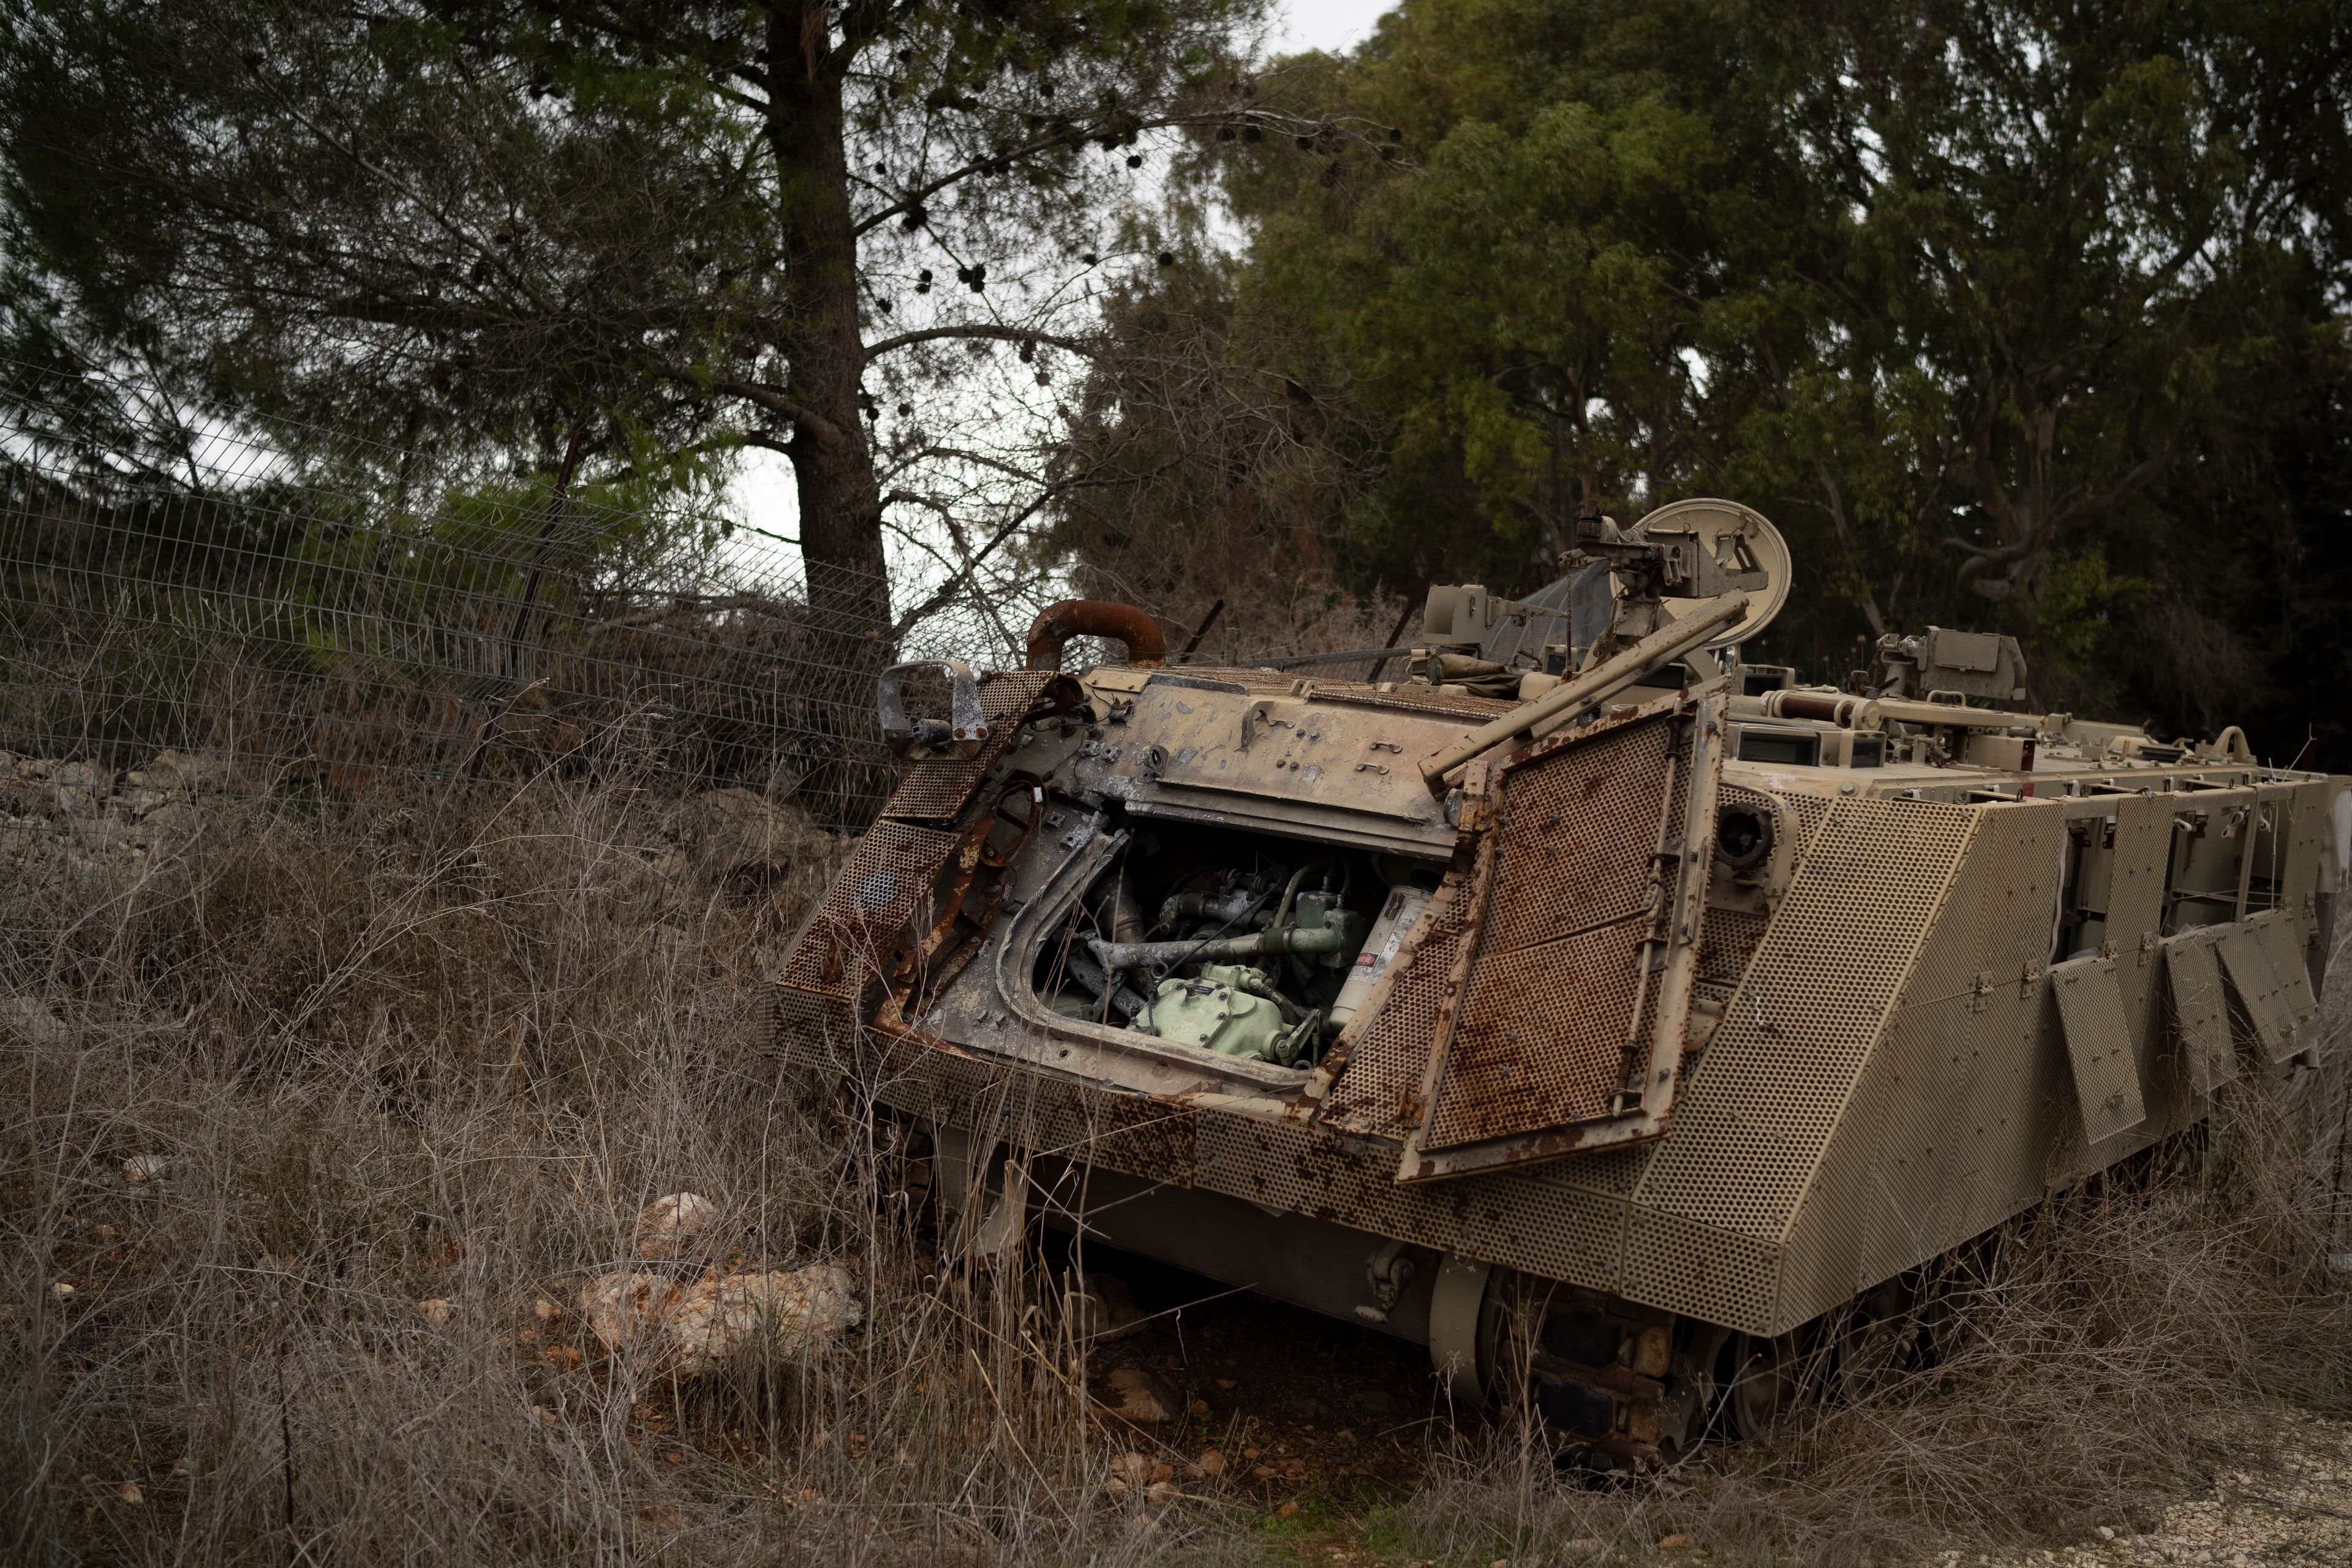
(2134, 910)
(2106, 1071)
(1810, 811)
(1378, 1092)
(1761, 1101)
(2285, 937)
(1549, 1006)
(936, 788)
(1929, 1146)
(2307, 834)
(2201, 1012)
(855, 933)
(2247, 961)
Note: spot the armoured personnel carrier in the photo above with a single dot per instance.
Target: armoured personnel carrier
(1570, 994)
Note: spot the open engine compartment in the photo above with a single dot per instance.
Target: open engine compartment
(1247, 946)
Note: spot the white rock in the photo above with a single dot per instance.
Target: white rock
(143, 1168)
(792, 1312)
(138, 801)
(180, 771)
(722, 1318)
(670, 1224)
(169, 825)
(1139, 1398)
(78, 789)
(624, 1309)
(29, 1019)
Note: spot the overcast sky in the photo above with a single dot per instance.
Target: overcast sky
(763, 489)
(1327, 24)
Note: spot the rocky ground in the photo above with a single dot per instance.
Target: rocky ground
(80, 813)
(2297, 1513)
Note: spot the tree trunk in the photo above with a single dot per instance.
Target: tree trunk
(833, 465)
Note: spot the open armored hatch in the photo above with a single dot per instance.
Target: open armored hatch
(1551, 978)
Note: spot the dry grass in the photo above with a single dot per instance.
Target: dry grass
(446, 1049)
(447, 1052)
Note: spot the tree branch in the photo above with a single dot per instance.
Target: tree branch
(954, 584)
(980, 329)
(1011, 525)
(978, 460)
(2123, 490)
(777, 402)
(482, 250)
(1071, 135)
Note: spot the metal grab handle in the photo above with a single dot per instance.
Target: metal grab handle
(1595, 685)
(964, 726)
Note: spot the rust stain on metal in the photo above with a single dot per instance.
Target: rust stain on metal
(938, 788)
(1555, 973)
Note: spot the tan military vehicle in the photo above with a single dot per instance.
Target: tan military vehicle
(1607, 1012)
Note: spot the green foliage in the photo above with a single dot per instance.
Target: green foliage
(1956, 293)
(471, 231)
(2079, 597)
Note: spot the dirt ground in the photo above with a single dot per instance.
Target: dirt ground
(1296, 1404)
(1320, 1428)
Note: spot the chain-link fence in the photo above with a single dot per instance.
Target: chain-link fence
(187, 605)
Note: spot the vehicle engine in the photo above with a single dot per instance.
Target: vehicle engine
(1264, 959)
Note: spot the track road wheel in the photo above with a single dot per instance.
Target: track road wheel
(1763, 1382)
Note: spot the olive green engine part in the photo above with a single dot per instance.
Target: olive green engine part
(1229, 1010)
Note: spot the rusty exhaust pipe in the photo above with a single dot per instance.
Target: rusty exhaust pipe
(1056, 624)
